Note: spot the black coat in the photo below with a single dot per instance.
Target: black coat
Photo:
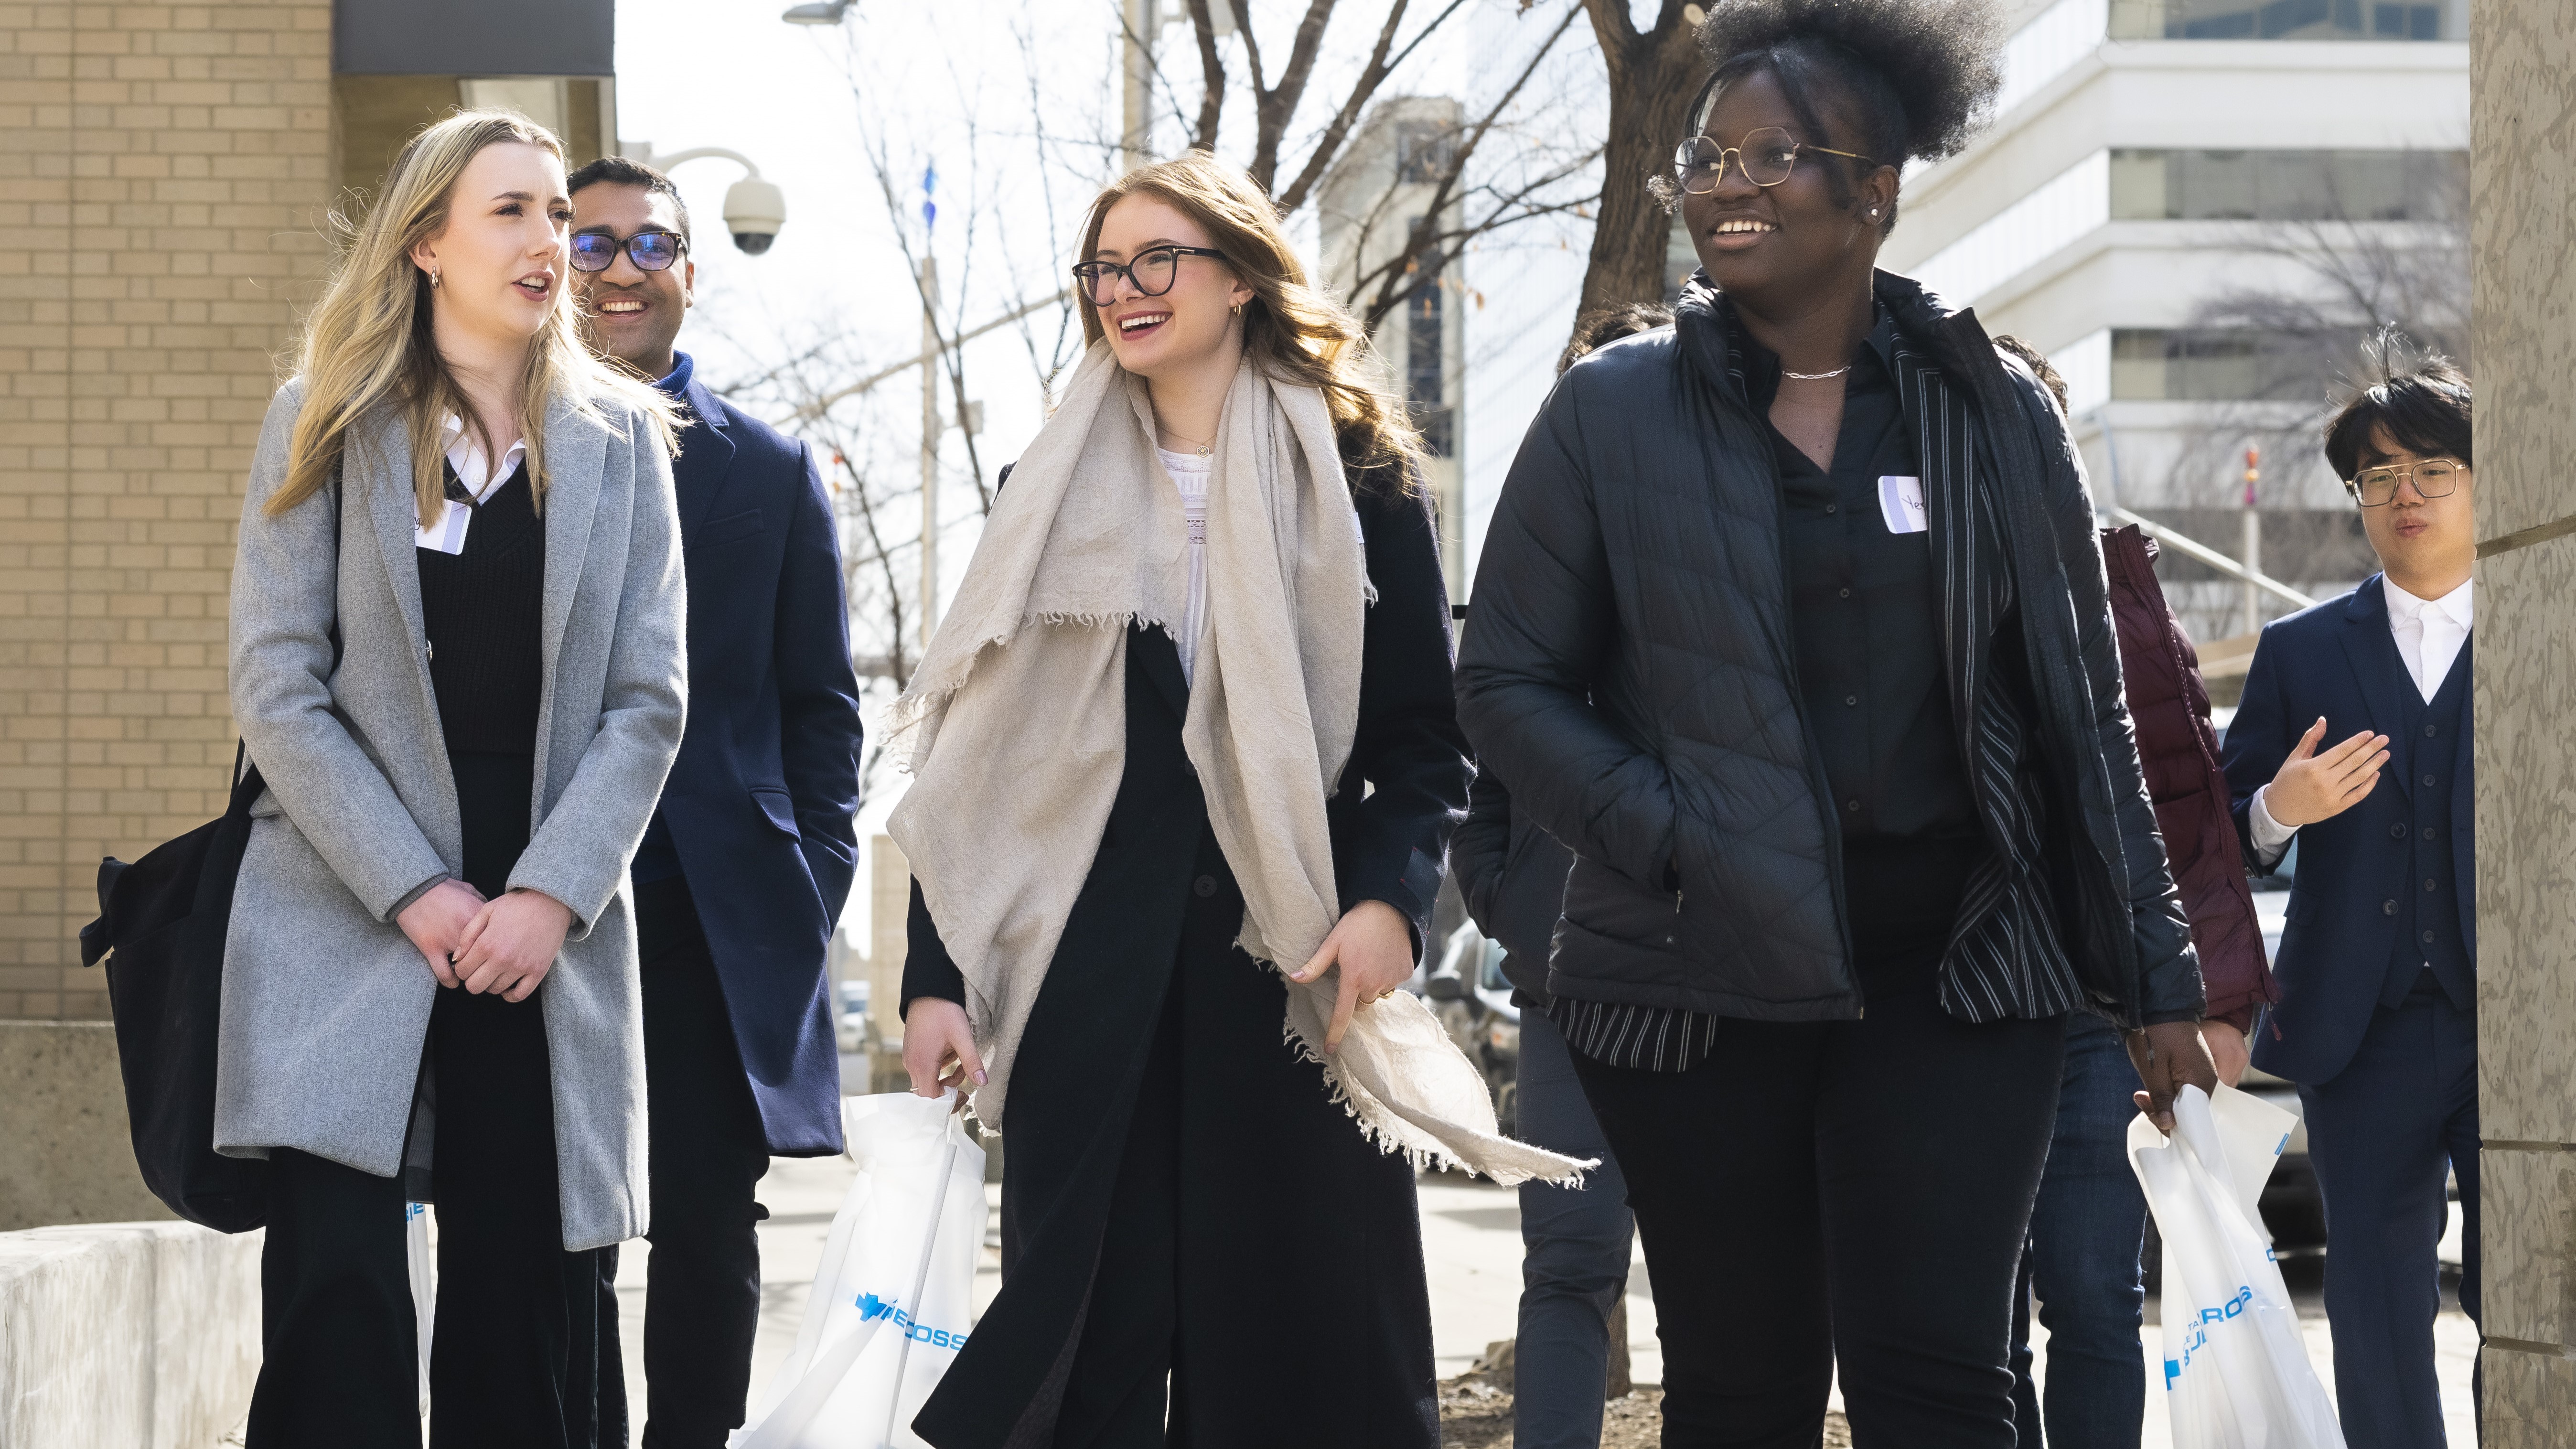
(760, 800)
(1318, 1232)
(1630, 672)
(1512, 876)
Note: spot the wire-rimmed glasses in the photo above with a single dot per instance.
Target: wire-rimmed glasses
(2433, 478)
(1766, 156)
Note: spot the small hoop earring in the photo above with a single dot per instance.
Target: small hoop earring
(433, 278)
(1238, 309)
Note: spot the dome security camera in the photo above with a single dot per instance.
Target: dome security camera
(754, 210)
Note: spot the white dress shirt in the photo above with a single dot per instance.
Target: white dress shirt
(465, 455)
(2430, 634)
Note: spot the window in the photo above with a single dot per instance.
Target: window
(2288, 20)
(2230, 365)
(2287, 185)
(1426, 316)
(1422, 151)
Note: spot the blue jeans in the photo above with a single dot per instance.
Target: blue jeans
(2086, 1230)
(1575, 1248)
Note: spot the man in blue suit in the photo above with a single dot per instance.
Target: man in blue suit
(743, 871)
(2377, 1022)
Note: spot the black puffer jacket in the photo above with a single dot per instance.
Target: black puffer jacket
(1513, 877)
(1629, 671)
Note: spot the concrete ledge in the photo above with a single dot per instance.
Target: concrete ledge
(126, 1335)
(65, 1154)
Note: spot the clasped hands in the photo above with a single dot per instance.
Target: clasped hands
(504, 946)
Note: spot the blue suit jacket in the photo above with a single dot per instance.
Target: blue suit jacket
(761, 799)
(2337, 660)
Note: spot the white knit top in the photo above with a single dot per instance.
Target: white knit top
(1190, 474)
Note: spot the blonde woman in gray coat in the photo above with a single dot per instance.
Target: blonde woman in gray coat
(457, 661)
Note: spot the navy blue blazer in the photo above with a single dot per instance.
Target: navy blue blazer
(760, 801)
(2336, 659)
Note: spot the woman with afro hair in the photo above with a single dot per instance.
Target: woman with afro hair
(1793, 627)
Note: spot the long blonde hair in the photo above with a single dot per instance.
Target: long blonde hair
(368, 342)
(1293, 330)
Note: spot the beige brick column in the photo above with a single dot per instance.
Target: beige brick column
(163, 169)
(2523, 245)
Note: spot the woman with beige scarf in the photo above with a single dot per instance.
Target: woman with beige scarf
(1185, 769)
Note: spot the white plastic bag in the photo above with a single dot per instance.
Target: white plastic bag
(2237, 1374)
(424, 1285)
(902, 1252)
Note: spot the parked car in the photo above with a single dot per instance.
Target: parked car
(2292, 1207)
(1467, 992)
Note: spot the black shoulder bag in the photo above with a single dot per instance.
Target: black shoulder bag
(160, 929)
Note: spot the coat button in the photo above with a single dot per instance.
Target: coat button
(2428, 883)
(1851, 699)
(1831, 507)
(2429, 832)
(2430, 731)
(2428, 940)
(2397, 832)
(1852, 805)
(2428, 782)
(2388, 908)
(1205, 885)
(1846, 593)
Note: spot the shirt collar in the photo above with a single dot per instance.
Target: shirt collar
(459, 445)
(2404, 608)
(676, 386)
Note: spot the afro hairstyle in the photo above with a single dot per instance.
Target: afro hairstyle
(1915, 79)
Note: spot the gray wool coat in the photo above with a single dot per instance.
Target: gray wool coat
(326, 1003)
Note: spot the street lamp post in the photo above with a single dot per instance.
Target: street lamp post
(754, 208)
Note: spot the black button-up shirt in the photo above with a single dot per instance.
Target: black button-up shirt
(1865, 611)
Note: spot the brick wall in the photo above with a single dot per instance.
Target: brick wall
(162, 174)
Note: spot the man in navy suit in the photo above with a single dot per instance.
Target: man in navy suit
(743, 871)
(2377, 1022)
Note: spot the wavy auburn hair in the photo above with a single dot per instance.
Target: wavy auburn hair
(367, 344)
(1293, 330)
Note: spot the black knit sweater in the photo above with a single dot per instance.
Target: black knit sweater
(480, 609)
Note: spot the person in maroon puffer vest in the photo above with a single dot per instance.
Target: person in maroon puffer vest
(2088, 1225)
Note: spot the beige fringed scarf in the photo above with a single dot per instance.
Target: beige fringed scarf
(1018, 717)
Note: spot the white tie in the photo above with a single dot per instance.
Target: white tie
(2437, 644)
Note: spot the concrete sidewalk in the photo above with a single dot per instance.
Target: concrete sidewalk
(1472, 1254)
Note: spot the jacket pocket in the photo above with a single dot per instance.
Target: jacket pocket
(745, 524)
(778, 808)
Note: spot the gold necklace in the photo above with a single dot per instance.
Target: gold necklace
(1201, 449)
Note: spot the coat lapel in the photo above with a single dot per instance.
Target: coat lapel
(383, 476)
(576, 456)
(706, 455)
(2375, 665)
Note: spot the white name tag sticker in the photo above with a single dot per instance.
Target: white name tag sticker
(1900, 502)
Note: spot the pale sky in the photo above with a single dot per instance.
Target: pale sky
(803, 102)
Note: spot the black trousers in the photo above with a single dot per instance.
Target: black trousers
(517, 1360)
(1854, 1191)
(702, 1279)
(1260, 1281)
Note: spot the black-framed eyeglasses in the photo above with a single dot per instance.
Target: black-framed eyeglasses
(2433, 478)
(1151, 273)
(1766, 156)
(650, 251)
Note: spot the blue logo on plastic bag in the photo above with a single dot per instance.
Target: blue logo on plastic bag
(871, 1308)
(2199, 1338)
